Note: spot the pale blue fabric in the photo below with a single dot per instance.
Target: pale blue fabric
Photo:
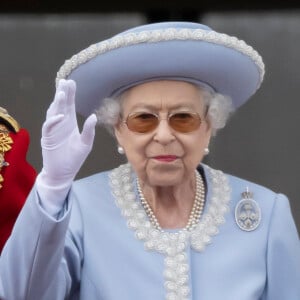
(224, 69)
(89, 253)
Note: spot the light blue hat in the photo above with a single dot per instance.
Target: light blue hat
(170, 50)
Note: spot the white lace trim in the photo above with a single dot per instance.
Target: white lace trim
(155, 36)
(172, 245)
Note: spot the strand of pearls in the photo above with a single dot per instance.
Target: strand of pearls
(196, 211)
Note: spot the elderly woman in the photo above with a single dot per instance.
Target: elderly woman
(162, 226)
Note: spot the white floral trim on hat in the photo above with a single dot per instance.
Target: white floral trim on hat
(161, 35)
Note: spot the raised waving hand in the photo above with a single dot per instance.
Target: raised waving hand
(64, 148)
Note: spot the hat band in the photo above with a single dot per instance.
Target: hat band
(196, 82)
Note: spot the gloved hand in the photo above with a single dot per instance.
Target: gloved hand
(64, 149)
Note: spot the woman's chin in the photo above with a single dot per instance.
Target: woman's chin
(165, 175)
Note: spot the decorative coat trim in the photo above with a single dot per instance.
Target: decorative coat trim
(155, 36)
(172, 245)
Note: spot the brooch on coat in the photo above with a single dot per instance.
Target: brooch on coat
(247, 212)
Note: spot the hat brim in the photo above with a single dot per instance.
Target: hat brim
(233, 71)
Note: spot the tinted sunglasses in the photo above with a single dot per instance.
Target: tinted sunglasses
(144, 122)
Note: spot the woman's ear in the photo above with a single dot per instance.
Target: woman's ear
(118, 133)
(208, 126)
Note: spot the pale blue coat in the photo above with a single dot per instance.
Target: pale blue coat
(89, 252)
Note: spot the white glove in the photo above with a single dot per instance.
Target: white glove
(64, 149)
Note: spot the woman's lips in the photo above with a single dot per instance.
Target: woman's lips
(165, 158)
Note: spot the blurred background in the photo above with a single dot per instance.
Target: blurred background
(261, 141)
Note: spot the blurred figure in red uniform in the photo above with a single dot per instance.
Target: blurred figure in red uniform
(16, 174)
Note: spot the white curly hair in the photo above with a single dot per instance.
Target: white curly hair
(219, 108)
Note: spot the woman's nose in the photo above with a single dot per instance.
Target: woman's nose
(163, 133)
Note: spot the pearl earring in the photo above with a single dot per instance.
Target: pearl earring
(120, 150)
(206, 151)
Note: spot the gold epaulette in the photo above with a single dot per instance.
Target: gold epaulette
(8, 120)
(7, 124)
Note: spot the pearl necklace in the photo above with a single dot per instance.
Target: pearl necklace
(196, 211)
(173, 245)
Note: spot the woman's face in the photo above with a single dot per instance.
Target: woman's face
(164, 156)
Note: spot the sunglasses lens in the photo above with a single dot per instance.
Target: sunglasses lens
(142, 122)
(185, 122)
(146, 122)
